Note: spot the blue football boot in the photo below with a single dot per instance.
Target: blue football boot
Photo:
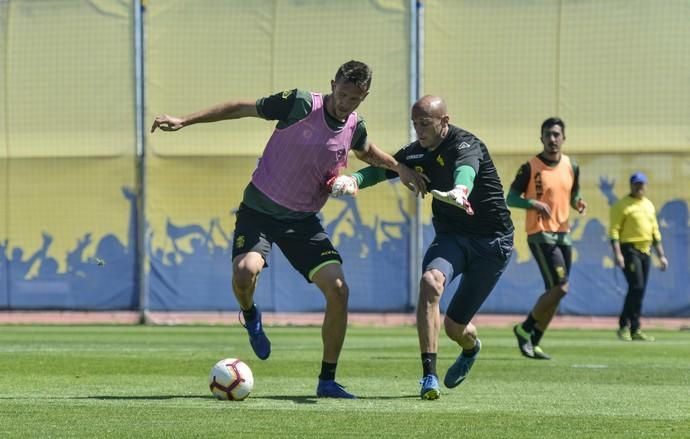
(430, 387)
(257, 338)
(461, 368)
(331, 389)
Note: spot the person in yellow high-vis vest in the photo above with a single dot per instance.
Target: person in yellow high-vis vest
(547, 186)
(633, 230)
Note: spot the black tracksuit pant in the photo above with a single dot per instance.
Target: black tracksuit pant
(636, 272)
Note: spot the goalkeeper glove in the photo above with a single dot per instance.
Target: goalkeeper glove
(457, 197)
(342, 185)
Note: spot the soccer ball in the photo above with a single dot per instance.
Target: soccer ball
(231, 379)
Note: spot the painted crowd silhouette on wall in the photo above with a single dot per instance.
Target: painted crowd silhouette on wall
(31, 279)
(197, 275)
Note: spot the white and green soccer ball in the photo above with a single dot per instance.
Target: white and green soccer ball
(231, 380)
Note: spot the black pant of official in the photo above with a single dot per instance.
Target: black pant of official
(636, 272)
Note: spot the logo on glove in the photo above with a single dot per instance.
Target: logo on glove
(457, 197)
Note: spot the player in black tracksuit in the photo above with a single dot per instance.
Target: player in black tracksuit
(474, 232)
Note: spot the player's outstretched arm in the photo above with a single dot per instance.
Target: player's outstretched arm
(350, 184)
(224, 111)
(411, 179)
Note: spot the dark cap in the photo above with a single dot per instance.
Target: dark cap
(638, 177)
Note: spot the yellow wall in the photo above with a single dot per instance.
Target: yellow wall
(247, 51)
(67, 131)
(199, 54)
(69, 79)
(668, 176)
(615, 71)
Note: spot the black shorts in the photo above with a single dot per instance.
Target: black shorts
(303, 242)
(554, 262)
(481, 261)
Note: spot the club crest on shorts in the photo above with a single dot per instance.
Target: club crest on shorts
(239, 241)
(560, 271)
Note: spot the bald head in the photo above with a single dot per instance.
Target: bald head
(430, 121)
(432, 106)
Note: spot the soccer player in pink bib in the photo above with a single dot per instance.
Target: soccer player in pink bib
(309, 146)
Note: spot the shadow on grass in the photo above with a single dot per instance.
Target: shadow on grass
(116, 398)
(314, 400)
(516, 357)
(296, 399)
(142, 398)
(384, 398)
(450, 358)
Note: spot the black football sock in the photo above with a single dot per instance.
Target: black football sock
(249, 314)
(472, 351)
(428, 363)
(328, 371)
(536, 336)
(528, 324)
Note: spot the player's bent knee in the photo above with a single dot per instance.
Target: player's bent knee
(341, 290)
(431, 284)
(454, 330)
(244, 276)
(338, 297)
(338, 292)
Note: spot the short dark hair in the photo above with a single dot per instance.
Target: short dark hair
(551, 121)
(355, 72)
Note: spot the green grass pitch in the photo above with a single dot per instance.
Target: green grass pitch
(142, 381)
